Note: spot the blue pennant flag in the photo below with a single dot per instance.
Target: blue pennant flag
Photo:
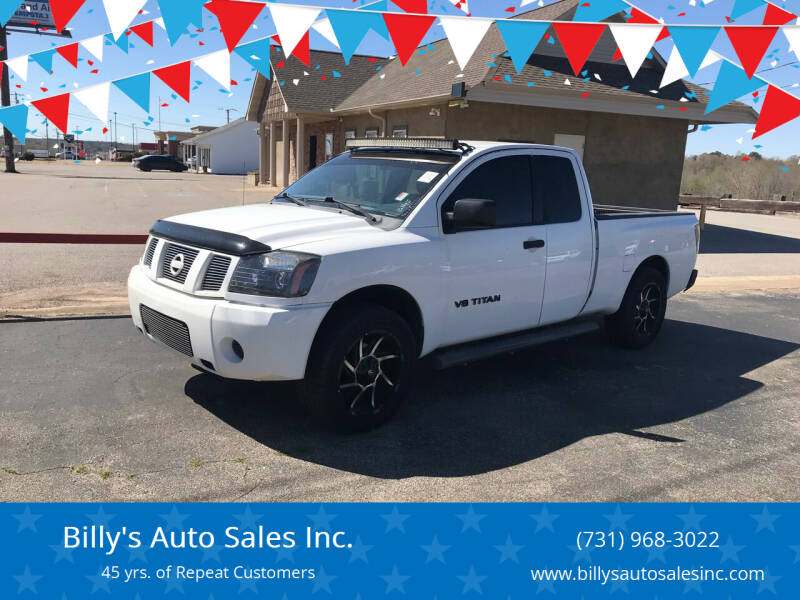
(137, 88)
(742, 7)
(179, 14)
(380, 25)
(732, 83)
(350, 28)
(693, 44)
(597, 10)
(7, 10)
(257, 54)
(122, 42)
(521, 38)
(44, 59)
(15, 119)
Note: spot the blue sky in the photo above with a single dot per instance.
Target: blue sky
(207, 98)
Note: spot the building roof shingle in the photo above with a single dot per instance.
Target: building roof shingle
(370, 82)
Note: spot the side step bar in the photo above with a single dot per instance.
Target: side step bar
(458, 355)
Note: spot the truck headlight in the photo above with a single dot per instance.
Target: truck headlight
(284, 274)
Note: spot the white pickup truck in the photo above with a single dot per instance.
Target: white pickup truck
(398, 249)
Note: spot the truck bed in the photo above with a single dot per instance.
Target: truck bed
(605, 212)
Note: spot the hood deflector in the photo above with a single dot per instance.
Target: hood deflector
(209, 239)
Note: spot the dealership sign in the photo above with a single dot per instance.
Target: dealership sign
(33, 14)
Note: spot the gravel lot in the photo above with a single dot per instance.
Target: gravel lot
(92, 411)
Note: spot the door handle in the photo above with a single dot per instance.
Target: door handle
(528, 244)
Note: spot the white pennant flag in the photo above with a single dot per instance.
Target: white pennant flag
(95, 46)
(120, 13)
(792, 33)
(95, 98)
(292, 23)
(160, 22)
(19, 65)
(634, 40)
(464, 35)
(325, 29)
(676, 69)
(218, 65)
(463, 5)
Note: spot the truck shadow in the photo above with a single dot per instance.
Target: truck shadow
(509, 410)
(717, 239)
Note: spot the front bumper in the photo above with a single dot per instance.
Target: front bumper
(275, 341)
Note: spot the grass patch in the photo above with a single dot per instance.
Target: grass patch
(130, 475)
(196, 463)
(78, 469)
(9, 470)
(105, 474)
(240, 460)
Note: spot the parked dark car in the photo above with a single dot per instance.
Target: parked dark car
(158, 162)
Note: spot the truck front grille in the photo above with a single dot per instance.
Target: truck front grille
(169, 331)
(148, 253)
(215, 273)
(168, 255)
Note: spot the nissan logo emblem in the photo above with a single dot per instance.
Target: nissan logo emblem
(176, 265)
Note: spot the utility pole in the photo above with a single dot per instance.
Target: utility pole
(115, 129)
(47, 136)
(5, 100)
(228, 112)
(133, 139)
(159, 113)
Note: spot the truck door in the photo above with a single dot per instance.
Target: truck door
(494, 277)
(570, 239)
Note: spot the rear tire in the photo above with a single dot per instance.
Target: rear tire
(641, 314)
(360, 368)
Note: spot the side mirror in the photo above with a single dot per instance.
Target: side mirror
(471, 213)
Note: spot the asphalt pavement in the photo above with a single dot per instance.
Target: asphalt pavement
(90, 410)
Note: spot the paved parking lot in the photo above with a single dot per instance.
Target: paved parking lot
(92, 411)
(88, 198)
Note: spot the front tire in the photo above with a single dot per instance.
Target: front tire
(641, 314)
(360, 368)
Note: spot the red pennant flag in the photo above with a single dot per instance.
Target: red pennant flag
(235, 18)
(413, 6)
(637, 16)
(178, 77)
(63, 11)
(144, 31)
(55, 109)
(617, 55)
(751, 44)
(778, 108)
(578, 41)
(777, 16)
(407, 32)
(69, 53)
(302, 51)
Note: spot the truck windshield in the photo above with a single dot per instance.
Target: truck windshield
(384, 183)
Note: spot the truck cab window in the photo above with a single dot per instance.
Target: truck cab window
(507, 181)
(556, 189)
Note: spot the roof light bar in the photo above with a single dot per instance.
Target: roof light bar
(423, 143)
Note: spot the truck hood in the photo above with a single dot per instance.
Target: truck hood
(279, 225)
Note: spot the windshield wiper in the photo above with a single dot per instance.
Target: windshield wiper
(290, 198)
(351, 208)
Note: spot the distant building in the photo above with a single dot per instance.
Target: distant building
(630, 133)
(168, 142)
(227, 150)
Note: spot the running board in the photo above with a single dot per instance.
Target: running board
(492, 347)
